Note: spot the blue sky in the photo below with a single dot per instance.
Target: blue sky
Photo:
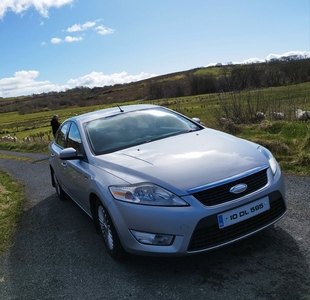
(54, 45)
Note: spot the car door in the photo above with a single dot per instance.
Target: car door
(75, 172)
(58, 145)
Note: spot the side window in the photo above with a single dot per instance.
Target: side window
(74, 139)
(62, 135)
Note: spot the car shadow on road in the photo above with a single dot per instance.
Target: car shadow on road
(57, 249)
(266, 265)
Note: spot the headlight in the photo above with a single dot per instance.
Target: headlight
(147, 194)
(272, 161)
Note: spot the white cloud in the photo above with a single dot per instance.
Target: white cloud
(304, 54)
(25, 83)
(99, 79)
(79, 27)
(82, 27)
(290, 53)
(250, 61)
(70, 39)
(55, 40)
(104, 30)
(87, 25)
(67, 39)
(42, 6)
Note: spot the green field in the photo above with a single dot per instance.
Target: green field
(288, 139)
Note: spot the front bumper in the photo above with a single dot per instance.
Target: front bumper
(195, 228)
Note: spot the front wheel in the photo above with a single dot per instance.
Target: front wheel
(108, 232)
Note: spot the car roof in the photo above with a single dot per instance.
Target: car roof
(110, 112)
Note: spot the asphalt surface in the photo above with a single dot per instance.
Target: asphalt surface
(56, 254)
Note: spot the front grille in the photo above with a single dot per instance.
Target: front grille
(208, 235)
(221, 194)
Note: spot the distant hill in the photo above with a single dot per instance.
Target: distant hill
(216, 79)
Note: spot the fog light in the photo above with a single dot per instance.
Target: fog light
(152, 238)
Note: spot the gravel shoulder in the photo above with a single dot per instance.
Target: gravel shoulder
(56, 254)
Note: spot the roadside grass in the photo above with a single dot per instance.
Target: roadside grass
(11, 204)
(25, 147)
(288, 141)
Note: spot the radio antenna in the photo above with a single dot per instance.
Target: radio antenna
(120, 108)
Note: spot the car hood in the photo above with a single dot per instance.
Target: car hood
(186, 161)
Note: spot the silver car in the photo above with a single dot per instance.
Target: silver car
(156, 182)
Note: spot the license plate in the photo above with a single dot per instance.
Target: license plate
(242, 213)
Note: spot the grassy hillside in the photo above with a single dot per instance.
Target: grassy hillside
(199, 81)
(207, 107)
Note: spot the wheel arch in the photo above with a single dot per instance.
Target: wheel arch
(93, 198)
(92, 204)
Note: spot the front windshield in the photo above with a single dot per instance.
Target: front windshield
(125, 130)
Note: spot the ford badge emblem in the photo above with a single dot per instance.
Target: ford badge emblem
(239, 188)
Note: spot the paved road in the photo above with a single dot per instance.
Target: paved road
(57, 255)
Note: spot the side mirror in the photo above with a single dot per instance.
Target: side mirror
(69, 154)
(197, 120)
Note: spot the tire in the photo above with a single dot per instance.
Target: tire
(60, 192)
(108, 232)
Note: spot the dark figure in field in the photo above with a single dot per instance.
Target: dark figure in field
(55, 124)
